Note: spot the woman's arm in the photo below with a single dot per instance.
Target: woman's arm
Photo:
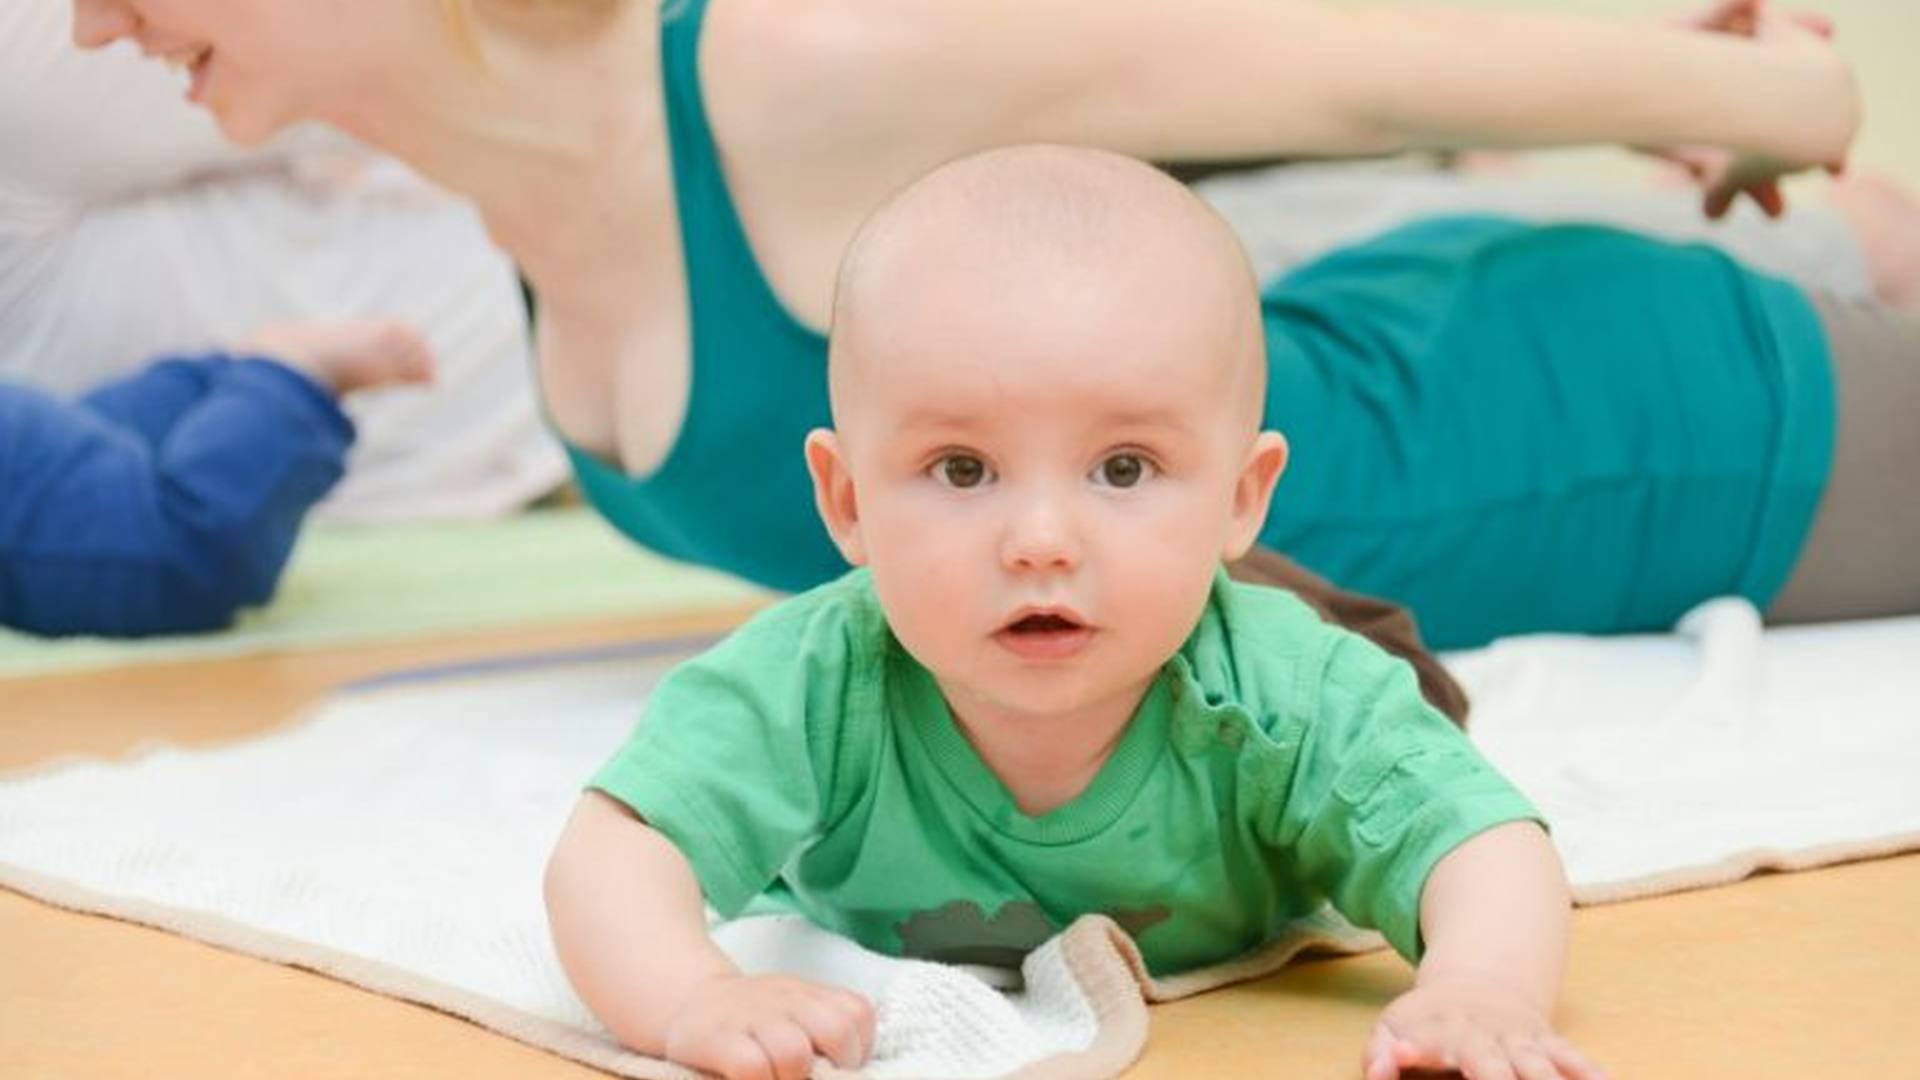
(1224, 79)
(827, 107)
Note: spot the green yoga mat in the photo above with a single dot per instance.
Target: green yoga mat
(347, 585)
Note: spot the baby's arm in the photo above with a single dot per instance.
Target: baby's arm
(630, 926)
(1494, 916)
(347, 355)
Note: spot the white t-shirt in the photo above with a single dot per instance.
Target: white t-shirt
(129, 228)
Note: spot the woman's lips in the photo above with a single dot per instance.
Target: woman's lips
(197, 73)
(192, 60)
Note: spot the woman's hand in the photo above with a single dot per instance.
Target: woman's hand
(1801, 37)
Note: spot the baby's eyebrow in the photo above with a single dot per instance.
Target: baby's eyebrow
(1149, 418)
(1155, 417)
(926, 416)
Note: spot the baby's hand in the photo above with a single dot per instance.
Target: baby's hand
(346, 355)
(1476, 1026)
(769, 1027)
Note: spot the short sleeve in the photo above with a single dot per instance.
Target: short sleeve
(1383, 787)
(733, 757)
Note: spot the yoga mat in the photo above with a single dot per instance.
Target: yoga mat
(379, 583)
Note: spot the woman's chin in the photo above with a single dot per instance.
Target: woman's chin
(245, 127)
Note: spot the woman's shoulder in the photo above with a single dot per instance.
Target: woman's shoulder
(819, 115)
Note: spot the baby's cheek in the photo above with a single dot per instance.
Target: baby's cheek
(928, 602)
(1184, 517)
(1160, 593)
(1167, 553)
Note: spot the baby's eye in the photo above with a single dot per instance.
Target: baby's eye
(1122, 470)
(961, 471)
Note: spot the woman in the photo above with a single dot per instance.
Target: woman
(677, 184)
(102, 160)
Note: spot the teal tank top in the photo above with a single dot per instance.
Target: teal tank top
(733, 492)
(1511, 429)
(1507, 428)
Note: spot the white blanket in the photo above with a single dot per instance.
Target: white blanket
(1692, 759)
(395, 838)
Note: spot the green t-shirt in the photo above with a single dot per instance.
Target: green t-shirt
(1277, 764)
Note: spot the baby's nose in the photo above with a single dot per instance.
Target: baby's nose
(1041, 536)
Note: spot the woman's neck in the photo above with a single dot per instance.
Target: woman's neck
(544, 137)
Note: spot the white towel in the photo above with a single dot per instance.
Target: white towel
(395, 837)
(1677, 761)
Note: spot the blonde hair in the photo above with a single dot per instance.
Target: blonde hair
(459, 16)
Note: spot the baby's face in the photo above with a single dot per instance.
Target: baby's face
(1046, 483)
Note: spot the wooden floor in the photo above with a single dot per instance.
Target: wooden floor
(1806, 975)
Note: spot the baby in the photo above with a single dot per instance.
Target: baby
(1040, 696)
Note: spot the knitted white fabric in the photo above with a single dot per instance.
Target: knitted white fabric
(1677, 761)
(396, 839)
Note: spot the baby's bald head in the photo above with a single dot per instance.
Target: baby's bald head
(1048, 374)
(1080, 247)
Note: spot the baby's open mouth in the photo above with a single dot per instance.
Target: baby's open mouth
(1045, 635)
(1042, 624)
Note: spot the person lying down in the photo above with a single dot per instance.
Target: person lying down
(1039, 696)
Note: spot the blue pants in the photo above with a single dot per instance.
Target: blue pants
(163, 502)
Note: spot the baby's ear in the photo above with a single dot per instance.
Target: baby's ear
(1253, 492)
(833, 494)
